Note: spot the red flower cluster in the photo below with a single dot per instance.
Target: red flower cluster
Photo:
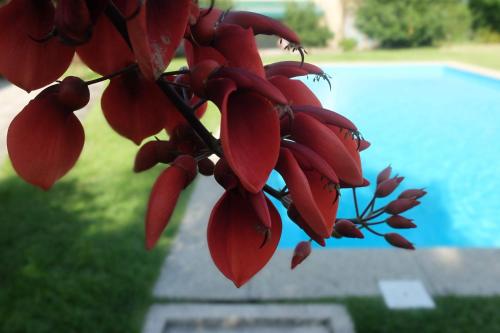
(270, 121)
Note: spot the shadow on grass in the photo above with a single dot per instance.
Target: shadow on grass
(64, 269)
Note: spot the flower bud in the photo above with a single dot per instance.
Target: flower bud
(400, 222)
(388, 186)
(152, 153)
(400, 205)
(347, 229)
(384, 174)
(206, 167)
(73, 93)
(301, 252)
(224, 175)
(412, 194)
(398, 241)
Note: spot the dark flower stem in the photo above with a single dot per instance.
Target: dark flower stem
(112, 75)
(355, 202)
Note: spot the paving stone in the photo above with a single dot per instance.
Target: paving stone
(468, 272)
(246, 318)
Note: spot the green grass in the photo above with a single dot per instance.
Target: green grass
(481, 55)
(452, 315)
(72, 259)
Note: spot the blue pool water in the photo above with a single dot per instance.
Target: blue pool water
(437, 126)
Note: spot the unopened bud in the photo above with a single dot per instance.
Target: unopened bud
(206, 167)
(388, 186)
(412, 194)
(348, 229)
(398, 241)
(384, 174)
(400, 205)
(302, 251)
(73, 93)
(400, 222)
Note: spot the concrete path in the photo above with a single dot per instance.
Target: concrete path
(189, 274)
(14, 99)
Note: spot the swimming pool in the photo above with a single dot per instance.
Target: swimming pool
(440, 128)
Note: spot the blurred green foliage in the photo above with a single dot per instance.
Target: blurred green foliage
(348, 44)
(411, 23)
(307, 23)
(222, 4)
(486, 14)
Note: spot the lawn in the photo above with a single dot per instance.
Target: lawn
(481, 55)
(72, 259)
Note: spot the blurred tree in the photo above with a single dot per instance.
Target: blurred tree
(307, 23)
(410, 23)
(486, 14)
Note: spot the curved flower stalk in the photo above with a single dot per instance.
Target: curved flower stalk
(269, 120)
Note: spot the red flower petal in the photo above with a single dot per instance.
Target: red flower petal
(236, 237)
(310, 132)
(294, 215)
(326, 197)
(156, 32)
(325, 116)
(261, 25)
(250, 137)
(73, 22)
(44, 141)
(249, 81)
(196, 54)
(135, 107)
(291, 69)
(106, 52)
(302, 196)
(259, 204)
(24, 62)
(164, 196)
(295, 91)
(204, 30)
(239, 48)
(309, 160)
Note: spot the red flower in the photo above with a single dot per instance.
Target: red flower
(164, 196)
(238, 242)
(46, 138)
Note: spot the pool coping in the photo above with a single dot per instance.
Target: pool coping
(470, 68)
(188, 273)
